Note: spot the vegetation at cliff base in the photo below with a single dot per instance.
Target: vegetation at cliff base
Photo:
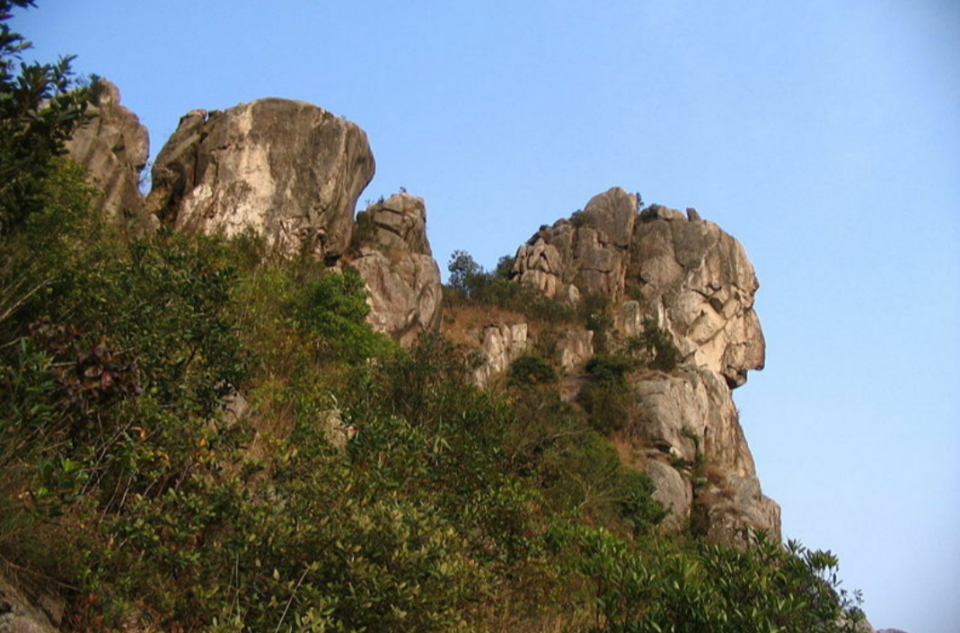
(196, 436)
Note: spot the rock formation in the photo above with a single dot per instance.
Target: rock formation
(114, 149)
(501, 344)
(584, 255)
(27, 610)
(686, 276)
(292, 172)
(393, 256)
(289, 170)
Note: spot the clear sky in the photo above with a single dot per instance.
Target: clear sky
(823, 134)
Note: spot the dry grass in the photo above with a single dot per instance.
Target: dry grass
(458, 321)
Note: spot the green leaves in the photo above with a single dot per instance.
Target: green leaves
(40, 107)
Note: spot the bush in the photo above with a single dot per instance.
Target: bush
(469, 283)
(606, 399)
(528, 371)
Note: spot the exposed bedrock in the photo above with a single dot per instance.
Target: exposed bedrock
(694, 281)
(114, 147)
(288, 170)
(393, 257)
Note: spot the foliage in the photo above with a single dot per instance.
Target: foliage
(606, 398)
(655, 347)
(40, 106)
(694, 587)
(470, 283)
(198, 435)
(530, 370)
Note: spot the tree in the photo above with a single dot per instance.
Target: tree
(463, 270)
(40, 107)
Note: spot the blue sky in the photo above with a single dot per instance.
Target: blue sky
(824, 135)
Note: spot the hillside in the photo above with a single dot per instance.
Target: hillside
(232, 405)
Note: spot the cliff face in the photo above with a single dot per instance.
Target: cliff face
(694, 281)
(293, 172)
(287, 169)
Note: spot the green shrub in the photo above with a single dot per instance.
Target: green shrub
(469, 283)
(607, 397)
(530, 370)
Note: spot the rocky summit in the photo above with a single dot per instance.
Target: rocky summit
(288, 170)
(114, 147)
(292, 173)
(693, 280)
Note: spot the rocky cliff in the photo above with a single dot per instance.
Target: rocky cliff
(288, 170)
(293, 172)
(114, 149)
(694, 281)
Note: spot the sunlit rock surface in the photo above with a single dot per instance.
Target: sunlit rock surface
(288, 170)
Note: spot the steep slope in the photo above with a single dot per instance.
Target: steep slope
(292, 173)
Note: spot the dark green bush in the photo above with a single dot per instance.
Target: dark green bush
(530, 370)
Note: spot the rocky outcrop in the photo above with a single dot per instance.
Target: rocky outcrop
(28, 611)
(113, 147)
(687, 423)
(584, 255)
(394, 259)
(501, 344)
(700, 286)
(675, 271)
(289, 170)
(574, 348)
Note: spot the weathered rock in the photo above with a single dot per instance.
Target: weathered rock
(689, 418)
(289, 170)
(114, 149)
(501, 344)
(700, 285)
(673, 490)
(394, 260)
(574, 348)
(404, 292)
(585, 255)
(25, 611)
(396, 224)
(693, 281)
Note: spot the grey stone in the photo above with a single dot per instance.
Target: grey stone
(114, 147)
(288, 170)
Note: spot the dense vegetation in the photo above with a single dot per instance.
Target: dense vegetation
(195, 436)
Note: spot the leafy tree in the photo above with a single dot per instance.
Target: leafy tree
(40, 107)
(463, 272)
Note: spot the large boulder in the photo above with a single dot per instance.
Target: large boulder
(288, 170)
(114, 147)
(392, 255)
